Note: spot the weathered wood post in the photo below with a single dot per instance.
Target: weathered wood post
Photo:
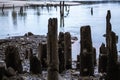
(42, 56)
(62, 56)
(108, 28)
(91, 11)
(112, 59)
(68, 48)
(111, 50)
(12, 58)
(52, 50)
(102, 59)
(86, 53)
(3, 8)
(35, 64)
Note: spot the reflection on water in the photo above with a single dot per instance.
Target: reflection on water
(14, 17)
(35, 20)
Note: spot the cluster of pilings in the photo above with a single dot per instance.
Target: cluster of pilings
(59, 51)
(108, 58)
(56, 57)
(64, 51)
(108, 62)
(53, 55)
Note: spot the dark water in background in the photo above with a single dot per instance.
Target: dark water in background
(78, 16)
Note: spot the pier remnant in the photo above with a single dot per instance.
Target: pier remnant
(61, 52)
(91, 11)
(102, 59)
(68, 48)
(86, 52)
(112, 68)
(35, 64)
(112, 59)
(42, 56)
(3, 8)
(52, 50)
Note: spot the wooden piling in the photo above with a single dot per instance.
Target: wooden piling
(111, 50)
(42, 56)
(102, 59)
(67, 49)
(3, 8)
(35, 64)
(86, 53)
(112, 59)
(91, 11)
(62, 56)
(52, 50)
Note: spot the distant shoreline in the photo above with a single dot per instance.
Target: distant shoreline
(96, 2)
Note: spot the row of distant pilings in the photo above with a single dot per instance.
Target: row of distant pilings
(56, 56)
(22, 10)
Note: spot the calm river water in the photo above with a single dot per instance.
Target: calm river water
(36, 21)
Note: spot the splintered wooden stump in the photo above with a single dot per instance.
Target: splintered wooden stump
(102, 59)
(35, 64)
(112, 58)
(86, 54)
(67, 48)
(52, 50)
(43, 55)
(111, 50)
(12, 58)
(61, 52)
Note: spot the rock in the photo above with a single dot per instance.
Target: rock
(10, 72)
(29, 34)
(16, 78)
(12, 58)
(2, 70)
